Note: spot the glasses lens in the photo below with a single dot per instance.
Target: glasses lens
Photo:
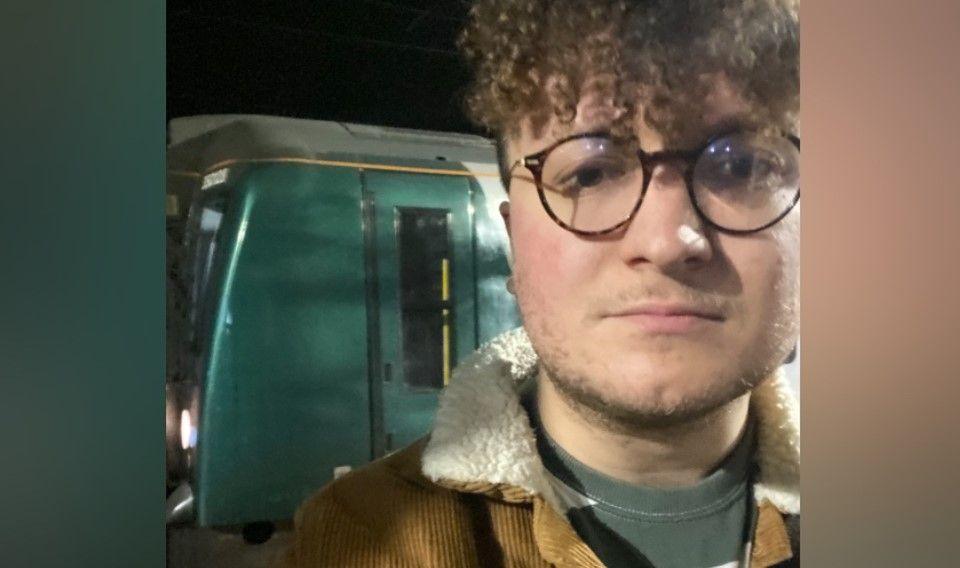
(746, 181)
(591, 184)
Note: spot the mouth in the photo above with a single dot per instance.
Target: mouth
(667, 318)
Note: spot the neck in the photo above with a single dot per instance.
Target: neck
(677, 455)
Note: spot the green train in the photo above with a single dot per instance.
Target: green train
(323, 280)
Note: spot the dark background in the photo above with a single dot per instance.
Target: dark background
(388, 63)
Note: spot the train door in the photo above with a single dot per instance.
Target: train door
(421, 297)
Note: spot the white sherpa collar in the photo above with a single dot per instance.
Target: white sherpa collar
(482, 433)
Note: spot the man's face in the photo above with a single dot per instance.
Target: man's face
(587, 301)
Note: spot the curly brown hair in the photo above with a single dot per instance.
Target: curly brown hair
(531, 58)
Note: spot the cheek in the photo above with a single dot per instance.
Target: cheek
(538, 266)
(551, 265)
(535, 251)
(768, 271)
(785, 242)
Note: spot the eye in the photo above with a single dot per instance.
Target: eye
(590, 176)
(732, 166)
(742, 169)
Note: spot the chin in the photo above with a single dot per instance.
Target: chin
(652, 390)
(672, 389)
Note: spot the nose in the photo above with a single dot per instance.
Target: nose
(666, 231)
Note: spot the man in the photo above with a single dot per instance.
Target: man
(639, 418)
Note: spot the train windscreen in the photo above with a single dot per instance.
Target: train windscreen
(207, 225)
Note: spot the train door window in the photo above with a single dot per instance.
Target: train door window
(426, 302)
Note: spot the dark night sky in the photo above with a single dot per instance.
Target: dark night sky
(390, 63)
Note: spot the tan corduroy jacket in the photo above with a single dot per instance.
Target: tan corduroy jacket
(475, 493)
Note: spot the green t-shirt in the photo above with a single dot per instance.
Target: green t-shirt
(703, 526)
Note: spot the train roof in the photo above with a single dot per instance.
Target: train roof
(197, 143)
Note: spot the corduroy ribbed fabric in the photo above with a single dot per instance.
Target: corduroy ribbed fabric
(389, 515)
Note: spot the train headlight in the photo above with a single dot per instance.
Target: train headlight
(183, 408)
(188, 431)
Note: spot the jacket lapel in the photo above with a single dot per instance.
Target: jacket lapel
(771, 541)
(482, 442)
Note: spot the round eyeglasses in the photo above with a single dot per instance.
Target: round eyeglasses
(738, 182)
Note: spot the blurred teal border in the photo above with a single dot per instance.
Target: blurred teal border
(81, 284)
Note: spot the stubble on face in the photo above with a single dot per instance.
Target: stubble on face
(589, 384)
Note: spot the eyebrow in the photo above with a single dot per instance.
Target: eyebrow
(728, 124)
(571, 129)
(600, 129)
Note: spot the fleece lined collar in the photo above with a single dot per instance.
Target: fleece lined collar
(482, 436)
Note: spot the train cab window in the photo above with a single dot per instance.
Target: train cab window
(204, 248)
(426, 295)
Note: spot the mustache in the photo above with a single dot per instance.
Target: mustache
(642, 293)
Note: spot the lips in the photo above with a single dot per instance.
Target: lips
(668, 318)
(669, 310)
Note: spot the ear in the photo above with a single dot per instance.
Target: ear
(505, 214)
(792, 356)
